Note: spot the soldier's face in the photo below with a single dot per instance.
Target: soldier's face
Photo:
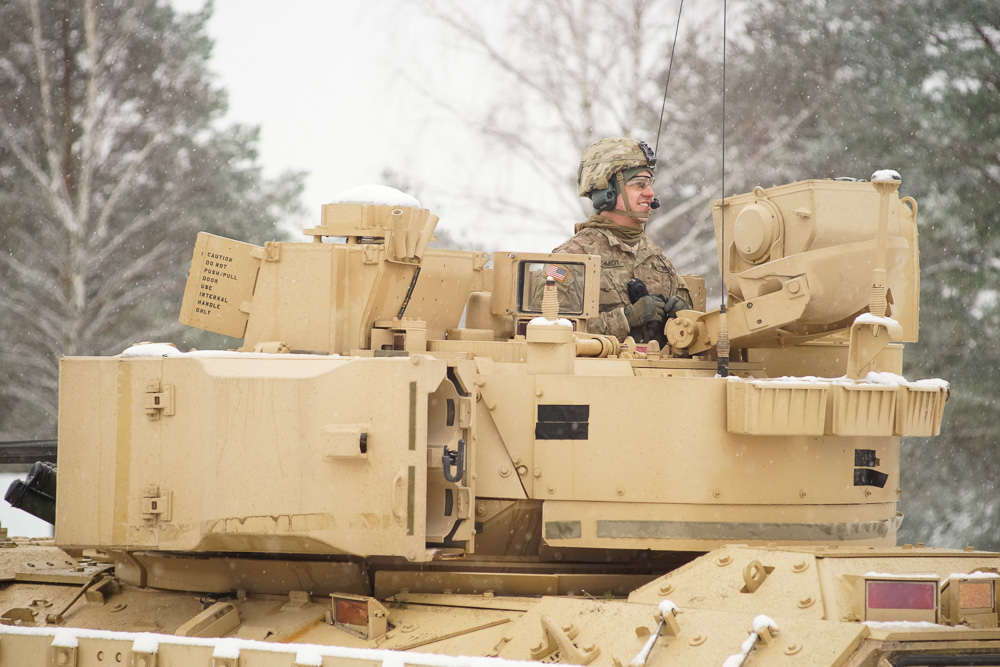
(639, 191)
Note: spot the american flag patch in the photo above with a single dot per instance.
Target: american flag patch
(556, 272)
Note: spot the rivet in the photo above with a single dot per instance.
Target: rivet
(666, 589)
(868, 492)
(538, 472)
(698, 640)
(480, 509)
(802, 493)
(800, 566)
(620, 491)
(724, 560)
(792, 649)
(552, 489)
(716, 493)
(538, 391)
(504, 471)
(806, 602)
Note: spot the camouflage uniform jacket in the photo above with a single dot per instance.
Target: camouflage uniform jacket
(619, 264)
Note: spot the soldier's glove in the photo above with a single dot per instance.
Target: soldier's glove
(646, 309)
(673, 305)
(636, 289)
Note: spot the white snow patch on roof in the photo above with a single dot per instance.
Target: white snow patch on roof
(892, 379)
(868, 318)
(971, 575)
(168, 350)
(380, 195)
(884, 379)
(667, 607)
(308, 657)
(735, 660)
(546, 322)
(65, 639)
(146, 643)
(761, 622)
(69, 637)
(886, 175)
(227, 648)
(151, 350)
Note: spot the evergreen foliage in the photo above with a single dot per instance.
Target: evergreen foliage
(112, 157)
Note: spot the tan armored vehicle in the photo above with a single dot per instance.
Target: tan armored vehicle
(419, 454)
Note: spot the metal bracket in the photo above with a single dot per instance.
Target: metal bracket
(561, 638)
(159, 401)
(156, 506)
(454, 458)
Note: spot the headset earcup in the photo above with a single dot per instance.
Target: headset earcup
(605, 200)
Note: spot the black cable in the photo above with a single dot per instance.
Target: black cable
(670, 67)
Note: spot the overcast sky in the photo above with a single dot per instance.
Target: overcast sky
(344, 90)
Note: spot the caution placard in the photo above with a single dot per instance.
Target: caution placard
(221, 279)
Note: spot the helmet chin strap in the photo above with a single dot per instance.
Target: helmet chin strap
(635, 215)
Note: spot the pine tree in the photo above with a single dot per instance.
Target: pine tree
(112, 156)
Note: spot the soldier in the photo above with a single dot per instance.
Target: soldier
(640, 288)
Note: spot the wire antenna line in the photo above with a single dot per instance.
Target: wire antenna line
(670, 66)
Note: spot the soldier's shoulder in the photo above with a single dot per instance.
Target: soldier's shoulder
(652, 245)
(584, 242)
(654, 250)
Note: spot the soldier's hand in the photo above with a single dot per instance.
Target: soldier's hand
(646, 309)
(675, 304)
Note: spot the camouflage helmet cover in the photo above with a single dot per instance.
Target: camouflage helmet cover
(609, 156)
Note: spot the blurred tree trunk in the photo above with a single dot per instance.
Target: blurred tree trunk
(112, 159)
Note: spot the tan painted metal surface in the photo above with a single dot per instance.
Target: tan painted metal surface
(417, 451)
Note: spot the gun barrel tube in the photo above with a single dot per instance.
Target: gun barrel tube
(36, 495)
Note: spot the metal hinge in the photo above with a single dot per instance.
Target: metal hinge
(156, 506)
(159, 401)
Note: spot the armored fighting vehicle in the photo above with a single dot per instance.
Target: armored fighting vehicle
(418, 454)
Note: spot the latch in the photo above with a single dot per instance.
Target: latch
(159, 401)
(560, 638)
(156, 505)
(454, 458)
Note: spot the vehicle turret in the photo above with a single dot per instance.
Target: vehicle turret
(406, 430)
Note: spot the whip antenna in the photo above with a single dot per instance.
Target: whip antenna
(722, 345)
(670, 66)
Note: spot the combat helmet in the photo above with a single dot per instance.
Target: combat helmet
(600, 175)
